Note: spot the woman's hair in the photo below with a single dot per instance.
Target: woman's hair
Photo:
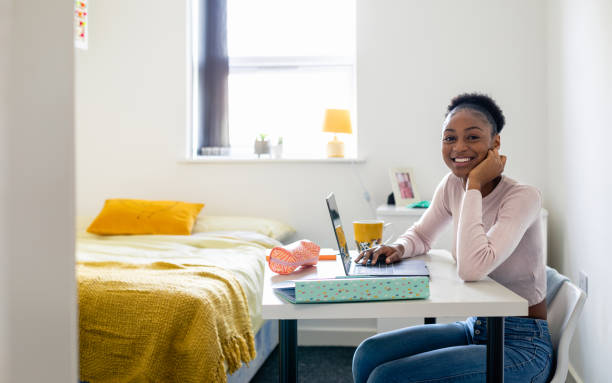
(482, 104)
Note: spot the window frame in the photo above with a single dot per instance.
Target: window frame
(253, 64)
(289, 62)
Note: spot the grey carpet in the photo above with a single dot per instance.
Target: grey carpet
(315, 364)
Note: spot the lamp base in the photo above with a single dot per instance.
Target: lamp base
(335, 148)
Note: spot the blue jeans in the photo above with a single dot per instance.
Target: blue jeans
(454, 352)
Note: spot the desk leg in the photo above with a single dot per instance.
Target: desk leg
(287, 334)
(495, 349)
(430, 320)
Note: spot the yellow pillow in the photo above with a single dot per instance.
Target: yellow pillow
(133, 216)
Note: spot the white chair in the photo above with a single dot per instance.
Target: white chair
(563, 314)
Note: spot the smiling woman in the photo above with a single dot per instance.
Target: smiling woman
(471, 130)
(497, 234)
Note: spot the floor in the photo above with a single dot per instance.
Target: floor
(315, 364)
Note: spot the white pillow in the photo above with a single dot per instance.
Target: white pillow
(270, 227)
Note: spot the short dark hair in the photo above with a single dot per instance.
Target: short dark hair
(480, 102)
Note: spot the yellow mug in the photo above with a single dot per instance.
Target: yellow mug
(368, 233)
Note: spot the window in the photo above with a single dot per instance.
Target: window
(288, 61)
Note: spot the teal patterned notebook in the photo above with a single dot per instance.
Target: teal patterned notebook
(356, 289)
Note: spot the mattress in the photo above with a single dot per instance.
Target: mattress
(241, 253)
(266, 341)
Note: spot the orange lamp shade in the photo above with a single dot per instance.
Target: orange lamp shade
(337, 121)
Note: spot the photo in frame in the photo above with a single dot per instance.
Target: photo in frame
(402, 184)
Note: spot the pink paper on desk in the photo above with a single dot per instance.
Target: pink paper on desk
(284, 260)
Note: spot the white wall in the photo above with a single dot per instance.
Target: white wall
(413, 57)
(5, 29)
(580, 94)
(38, 327)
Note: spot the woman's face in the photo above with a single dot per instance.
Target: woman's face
(466, 140)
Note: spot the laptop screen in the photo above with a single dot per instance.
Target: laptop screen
(339, 232)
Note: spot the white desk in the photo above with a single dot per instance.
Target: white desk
(449, 296)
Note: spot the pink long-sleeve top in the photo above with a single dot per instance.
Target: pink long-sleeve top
(499, 235)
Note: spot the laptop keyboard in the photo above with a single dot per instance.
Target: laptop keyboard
(380, 268)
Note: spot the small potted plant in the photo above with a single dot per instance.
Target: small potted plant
(262, 145)
(277, 150)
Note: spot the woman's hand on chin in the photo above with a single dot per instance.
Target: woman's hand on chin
(487, 170)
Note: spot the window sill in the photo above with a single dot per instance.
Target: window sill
(268, 160)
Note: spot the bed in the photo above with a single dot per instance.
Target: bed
(184, 308)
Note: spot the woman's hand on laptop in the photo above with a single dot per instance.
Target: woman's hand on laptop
(390, 254)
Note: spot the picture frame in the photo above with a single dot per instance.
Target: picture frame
(402, 184)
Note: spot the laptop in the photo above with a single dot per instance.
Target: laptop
(405, 267)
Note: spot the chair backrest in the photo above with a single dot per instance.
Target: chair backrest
(563, 314)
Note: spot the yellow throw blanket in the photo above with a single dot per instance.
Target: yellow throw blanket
(161, 322)
(156, 308)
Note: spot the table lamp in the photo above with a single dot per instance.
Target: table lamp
(337, 121)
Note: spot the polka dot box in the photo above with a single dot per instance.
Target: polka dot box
(361, 289)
